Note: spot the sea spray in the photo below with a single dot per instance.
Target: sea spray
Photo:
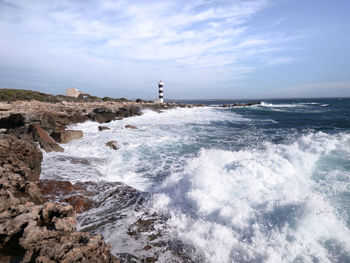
(247, 184)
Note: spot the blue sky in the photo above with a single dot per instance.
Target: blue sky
(200, 48)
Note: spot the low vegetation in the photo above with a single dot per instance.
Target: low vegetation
(27, 95)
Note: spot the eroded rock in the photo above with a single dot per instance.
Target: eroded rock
(64, 136)
(102, 115)
(47, 143)
(102, 128)
(20, 156)
(47, 233)
(64, 191)
(113, 145)
(130, 127)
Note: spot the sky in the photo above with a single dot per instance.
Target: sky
(201, 49)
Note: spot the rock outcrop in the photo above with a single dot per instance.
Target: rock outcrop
(47, 233)
(64, 191)
(21, 157)
(46, 142)
(113, 145)
(102, 115)
(64, 136)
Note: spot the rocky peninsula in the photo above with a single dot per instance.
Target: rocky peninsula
(38, 219)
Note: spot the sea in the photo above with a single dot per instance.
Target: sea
(262, 183)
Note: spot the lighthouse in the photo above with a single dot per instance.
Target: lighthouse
(160, 86)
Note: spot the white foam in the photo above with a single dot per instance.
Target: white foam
(264, 104)
(258, 205)
(232, 206)
(142, 149)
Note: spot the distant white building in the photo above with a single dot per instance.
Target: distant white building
(73, 92)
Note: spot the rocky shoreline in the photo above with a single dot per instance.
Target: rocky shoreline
(36, 222)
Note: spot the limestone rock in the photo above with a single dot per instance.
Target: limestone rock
(64, 191)
(46, 142)
(64, 136)
(130, 126)
(128, 111)
(102, 128)
(46, 233)
(113, 145)
(20, 156)
(80, 203)
(102, 115)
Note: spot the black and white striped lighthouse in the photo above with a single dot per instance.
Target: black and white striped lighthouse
(160, 85)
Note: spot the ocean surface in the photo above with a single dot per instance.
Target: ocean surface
(266, 183)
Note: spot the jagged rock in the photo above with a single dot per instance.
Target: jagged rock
(113, 145)
(58, 119)
(80, 203)
(15, 190)
(47, 233)
(102, 128)
(47, 143)
(65, 191)
(52, 187)
(12, 121)
(64, 136)
(130, 126)
(129, 111)
(102, 115)
(20, 156)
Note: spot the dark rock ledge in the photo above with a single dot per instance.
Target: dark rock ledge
(38, 228)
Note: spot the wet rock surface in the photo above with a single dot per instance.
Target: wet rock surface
(103, 128)
(64, 191)
(113, 145)
(143, 235)
(130, 127)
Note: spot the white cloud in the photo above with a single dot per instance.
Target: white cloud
(132, 38)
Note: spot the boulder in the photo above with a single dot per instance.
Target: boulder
(47, 143)
(113, 145)
(130, 126)
(102, 128)
(64, 136)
